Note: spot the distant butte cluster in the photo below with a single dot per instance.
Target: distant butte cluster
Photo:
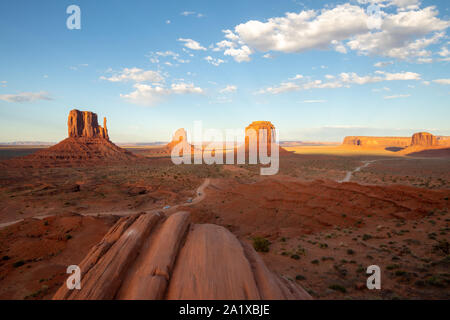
(420, 139)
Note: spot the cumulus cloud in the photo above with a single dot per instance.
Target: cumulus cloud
(147, 95)
(136, 75)
(214, 61)
(192, 44)
(228, 89)
(25, 97)
(405, 34)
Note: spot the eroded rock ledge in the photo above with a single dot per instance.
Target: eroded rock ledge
(151, 256)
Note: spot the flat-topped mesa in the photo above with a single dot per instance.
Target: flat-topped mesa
(268, 130)
(424, 139)
(377, 141)
(85, 124)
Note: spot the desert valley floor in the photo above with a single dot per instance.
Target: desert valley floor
(317, 230)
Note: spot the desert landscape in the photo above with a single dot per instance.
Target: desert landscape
(257, 156)
(313, 228)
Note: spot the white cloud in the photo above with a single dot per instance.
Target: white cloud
(402, 76)
(192, 13)
(148, 95)
(268, 56)
(239, 54)
(228, 89)
(398, 96)
(444, 52)
(404, 34)
(168, 21)
(297, 77)
(214, 61)
(442, 81)
(314, 101)
(191, 44)
(136, 75)
(344, 80)
(383, 64)
(25, 97)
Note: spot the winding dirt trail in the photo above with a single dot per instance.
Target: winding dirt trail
(199, 196)
(349, 174)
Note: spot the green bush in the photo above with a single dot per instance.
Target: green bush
(261, 244)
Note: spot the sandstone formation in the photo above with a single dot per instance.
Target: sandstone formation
(363, 141)
(418, 142)
(151, 256)
(423, 139)
(264, 129)
(85, 124)
(87, 143)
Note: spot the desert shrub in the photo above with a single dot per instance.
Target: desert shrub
(18, 263)
(350, 251)
(338, 287)
(299, 277)
(366, 237)
(261, 244)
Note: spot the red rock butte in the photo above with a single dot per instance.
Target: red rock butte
(85, 124)
(267, 129)
(87, 143)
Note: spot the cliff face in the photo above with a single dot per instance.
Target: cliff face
(424, 139)
(85, 124)
(260, 126)
(377, 141)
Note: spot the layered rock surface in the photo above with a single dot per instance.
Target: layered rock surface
(85, 124)
(418, 142)
(262, 129)
(423, 139)
(151, 256)
(363, 141)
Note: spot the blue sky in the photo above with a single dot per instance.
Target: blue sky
(319, 70)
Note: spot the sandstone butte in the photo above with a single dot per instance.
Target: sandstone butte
(87, 143)
(152, 256)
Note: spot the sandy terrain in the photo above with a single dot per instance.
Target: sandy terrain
(322, 233)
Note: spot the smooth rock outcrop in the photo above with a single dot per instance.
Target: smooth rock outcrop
(151, 256)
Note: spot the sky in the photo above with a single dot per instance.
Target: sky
(318, 70)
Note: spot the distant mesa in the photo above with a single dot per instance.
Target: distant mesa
(424, 139)
(364, 141)
(414, 145)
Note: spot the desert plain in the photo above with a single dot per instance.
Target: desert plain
(329, 213)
